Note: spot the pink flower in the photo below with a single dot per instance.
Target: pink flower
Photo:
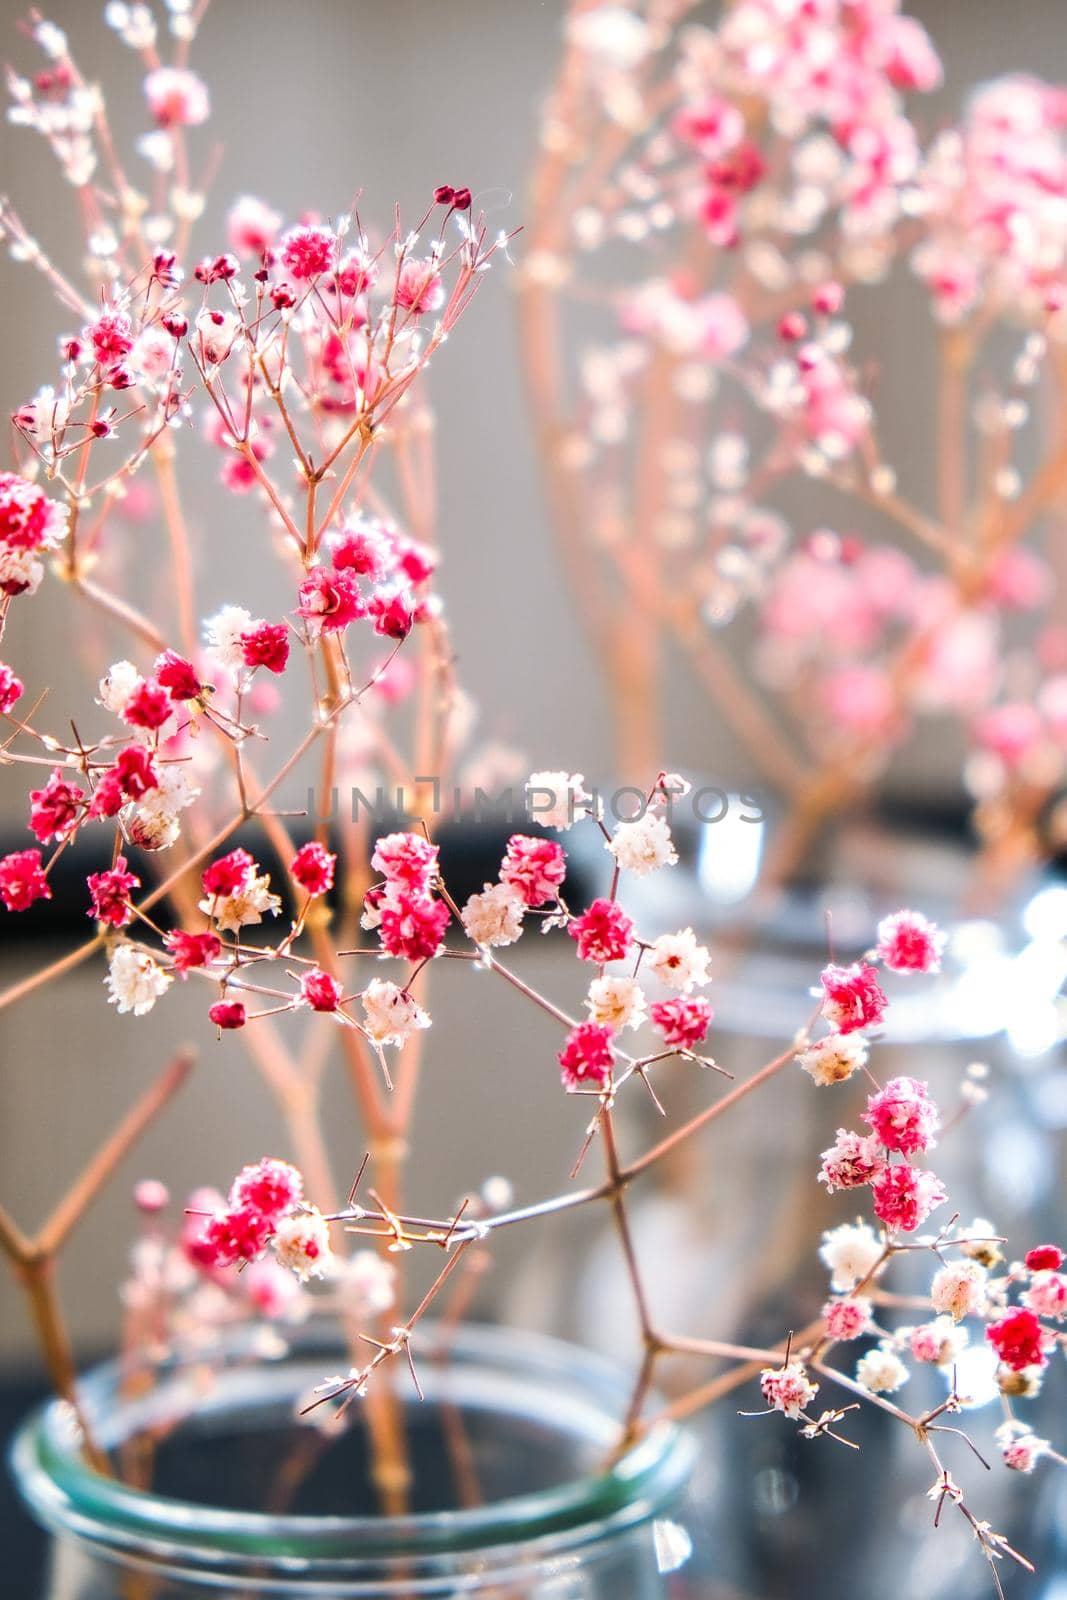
(363, 548)
(320, 991)
(905, 1196)
(270, 1288)
(1047, 1295)
(112, 337)
(266, 645)
(11, 688)
(392, 615)
(908, 942)
(1023, 1453)
(330, 600)
(419, 287)
(28, 519)
(191, 950)
(586, 1057)
(847, 1318)
(111, 894)
(1010, 731)
(308, 252)
(682, 1022)
(239, 1234)
(853, 997)
(177, 676)
(228, 1014)
(1019, 1340)
(22, 880)
(54, 810)
(148, 706)
(852, 1161)
(270, 1187)
(135, 771)
(603, 932)
(535, 867)
(1044, 1258)
(903, 1116)
(176, 97)
(150, 1196)
(228, 874)
(787, 1389)
(413, 926)
(251, 226)
(406, 858)
(313, 867)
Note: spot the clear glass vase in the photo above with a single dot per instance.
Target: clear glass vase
(511, 1493)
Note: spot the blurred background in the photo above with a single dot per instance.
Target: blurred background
(311, 107)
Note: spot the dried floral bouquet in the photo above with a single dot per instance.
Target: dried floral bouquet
(301, 351)
(722, 221)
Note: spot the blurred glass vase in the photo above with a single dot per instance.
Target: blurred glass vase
(510, 1494)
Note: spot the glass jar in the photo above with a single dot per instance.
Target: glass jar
(511, 1496)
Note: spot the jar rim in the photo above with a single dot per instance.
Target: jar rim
(70, 1497)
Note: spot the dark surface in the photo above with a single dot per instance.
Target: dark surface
(22, 1568)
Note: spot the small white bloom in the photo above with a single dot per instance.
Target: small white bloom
(494, 917)
(368, 1284)
(850, 1251)
(45, 414)
(619, 1002)
(135, 980)
(678, 961)
(152, 355)
(120, 683)
(644, 845)
(216, 332)
(391, 1015)
(556, 799)
(881, 1370)
(958, 1288)
(20, 570)
(614, 35)
(245, 908)
(302, 1242)
(223, 634)
(835, 1058)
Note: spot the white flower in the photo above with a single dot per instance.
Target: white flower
(556, 799)
(850, 1252)
(495, 915)
(135, 980)
(835, 1058)
(152, 355)
(614, 34)
(120, 683)
(246, 907)
(45, 414)
(391, 1014)
(368, 1283)
(20, 570)
(223, 634)
(643, 846)
(620, 1002)
(217, 330)
(678, 961)
(881, 1370)
(979, 1241)
(959, 1289)
(302, 1241)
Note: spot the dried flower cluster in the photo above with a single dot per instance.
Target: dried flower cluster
(738, 196)
(299, 350)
